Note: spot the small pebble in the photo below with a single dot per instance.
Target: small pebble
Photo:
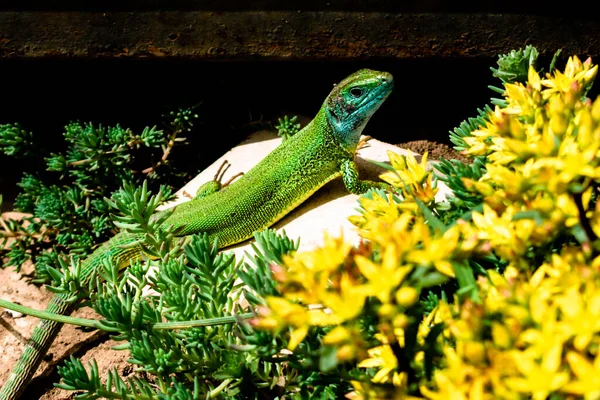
(14, 314)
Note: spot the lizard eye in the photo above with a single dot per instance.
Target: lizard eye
(356, 92)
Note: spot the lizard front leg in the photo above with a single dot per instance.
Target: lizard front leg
(353, 183)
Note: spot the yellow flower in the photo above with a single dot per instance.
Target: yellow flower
(368, 391)
(347, 302)
(442, 313)
(407, 296)
(348, 342)
(282, 313)
(325, 258)
(541, 339)
(337, 335)
(436, 251)
(533, 79)
(541, 379)
(581, 314)
(520, 100)
(405, 233)
(480, 140)
(383, 358)
(512, 180)
(587, 375)
(454, 382)
(378, 214)
(507, 237)
(501, 336)
(413, 179)
(576, 72)
(308, 273)
(534, 330)
(407, 171)
(384, 278)
(564, 171)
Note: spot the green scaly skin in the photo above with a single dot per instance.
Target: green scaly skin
(320, 152)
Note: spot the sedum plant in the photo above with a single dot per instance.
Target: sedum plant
(190, 334)
(287, 126)
(65, 210)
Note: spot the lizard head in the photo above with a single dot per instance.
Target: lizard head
(353, 101)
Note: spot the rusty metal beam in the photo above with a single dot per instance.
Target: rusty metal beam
(286, 35)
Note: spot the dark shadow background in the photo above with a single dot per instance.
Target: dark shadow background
(430, 96)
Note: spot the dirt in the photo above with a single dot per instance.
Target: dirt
(436, 150)
(16, 329)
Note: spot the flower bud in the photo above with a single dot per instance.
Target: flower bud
(501, 336)
(407, 296)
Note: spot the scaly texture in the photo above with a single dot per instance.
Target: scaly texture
(291, 173)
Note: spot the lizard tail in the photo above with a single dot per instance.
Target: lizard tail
(42, 337)
(46, 331)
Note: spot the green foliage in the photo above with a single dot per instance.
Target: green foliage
(65, 206)
(182, 119)
(76, 377)
(513, 66)
(257, 275)
(195, 286)
(466, 127)
(15, 141)
(192, 282)
(462, 200)
(287, 126)
(67, 279)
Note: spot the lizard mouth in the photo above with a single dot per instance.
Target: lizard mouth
(377, 95)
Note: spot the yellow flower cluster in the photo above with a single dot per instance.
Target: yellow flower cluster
(536, 331)
(532, 331)
(528, 338)
(401, 256)
(329, 286)
(543, 152)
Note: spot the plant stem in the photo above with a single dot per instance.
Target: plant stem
(585, 223)
(93, 323)
(216, 391)
(166, 153)
(202, 322)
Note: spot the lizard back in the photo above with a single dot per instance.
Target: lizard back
(270, 190)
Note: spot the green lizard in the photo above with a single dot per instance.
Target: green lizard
(321, 151)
